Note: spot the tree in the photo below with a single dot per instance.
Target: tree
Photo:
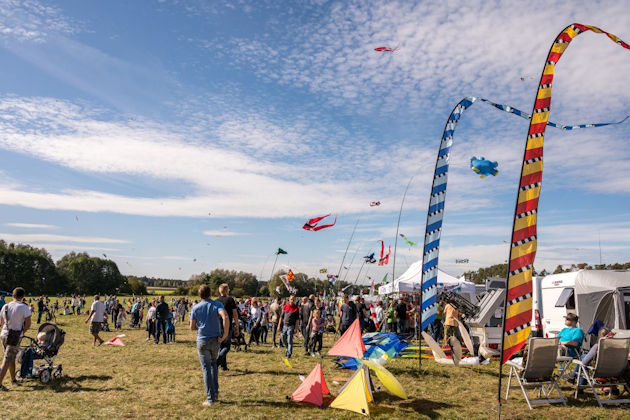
(479, 276)
(90, 275)
(30, 268)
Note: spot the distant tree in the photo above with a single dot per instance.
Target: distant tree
(90, 275)
(30, 268)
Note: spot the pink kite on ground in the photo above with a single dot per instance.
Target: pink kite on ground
(313, 389)
(350, 344)
(115, 342)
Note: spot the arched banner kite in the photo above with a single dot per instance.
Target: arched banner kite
(311, 224)
(386, 49)
(518, 303)
(437, 199)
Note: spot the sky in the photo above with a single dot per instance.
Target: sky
(180, 136)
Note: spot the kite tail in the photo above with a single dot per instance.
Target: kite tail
(316, 228)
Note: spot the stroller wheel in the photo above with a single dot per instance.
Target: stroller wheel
(57, 372)
(44, 376)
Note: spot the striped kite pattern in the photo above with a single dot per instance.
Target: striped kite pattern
(438, 196)
(518, 306)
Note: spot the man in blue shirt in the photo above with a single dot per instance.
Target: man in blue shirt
(571, 337)
(208, 317)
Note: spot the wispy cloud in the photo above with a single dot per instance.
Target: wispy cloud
(31, 226)
(37, 237)
(224, 233)
(29, 20)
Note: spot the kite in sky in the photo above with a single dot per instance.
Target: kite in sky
(281, 251)
(375, 203)
(435, 214)
(408, 241)
(369, 259)
(386, 49)
(384, 260)
(290, 276)
(323, 270)
(483, 167)
(332, 278)
(311, 224)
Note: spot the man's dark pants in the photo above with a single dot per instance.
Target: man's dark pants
(160, 327)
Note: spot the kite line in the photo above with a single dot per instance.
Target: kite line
(518, 300)
(435, 213)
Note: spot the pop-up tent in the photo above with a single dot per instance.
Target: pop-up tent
(603, 295)
(410, 281)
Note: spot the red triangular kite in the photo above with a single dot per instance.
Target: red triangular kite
(313, 389)
(350, 344)
(115, 342)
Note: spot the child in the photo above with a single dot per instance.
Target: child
(264, 325)
(170, 328)
(121, 318)
(317, 332)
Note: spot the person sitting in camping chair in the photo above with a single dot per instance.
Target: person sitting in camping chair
(571, 337)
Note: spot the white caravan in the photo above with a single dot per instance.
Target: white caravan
(602, 295)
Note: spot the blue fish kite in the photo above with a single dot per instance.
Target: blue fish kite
(483, 167)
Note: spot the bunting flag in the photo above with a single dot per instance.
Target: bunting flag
(518, 305)
(437, 198)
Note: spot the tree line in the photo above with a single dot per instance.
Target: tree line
(75, 273)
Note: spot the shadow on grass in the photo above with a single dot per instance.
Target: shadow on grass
(239, 372)
(70, 384)
(425, 407)
(443, 373)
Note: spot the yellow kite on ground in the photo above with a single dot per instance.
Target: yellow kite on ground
(387, 379)
(355, 394)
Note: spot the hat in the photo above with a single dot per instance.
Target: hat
(571, 317)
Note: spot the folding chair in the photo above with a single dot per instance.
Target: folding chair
(610, 365)
(538, 372)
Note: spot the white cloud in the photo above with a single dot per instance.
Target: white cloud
(31, 226)
(224, 233)
(29, 20)
(37, 238)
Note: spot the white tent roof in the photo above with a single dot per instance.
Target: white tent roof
(410, 280)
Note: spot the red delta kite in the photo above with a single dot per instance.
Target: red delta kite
(311, 224)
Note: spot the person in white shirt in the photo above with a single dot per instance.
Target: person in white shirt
(151, 321)
(97, 314)
(14, 316)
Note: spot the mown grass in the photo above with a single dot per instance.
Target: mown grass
(143, 380)
(160, 290)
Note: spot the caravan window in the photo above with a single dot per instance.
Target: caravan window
(566, 299)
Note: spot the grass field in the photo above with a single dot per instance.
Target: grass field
(160, 290)
(144, 380)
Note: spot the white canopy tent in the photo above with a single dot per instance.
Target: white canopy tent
(410, 280)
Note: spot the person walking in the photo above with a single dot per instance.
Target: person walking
(161, 313)
(276, 311)
(97, 315)
(15, 319)
(348, 314)
(40, 309)
(207, 317)
(229, 304)
(151, 321)
(288, 319)
(256, 322)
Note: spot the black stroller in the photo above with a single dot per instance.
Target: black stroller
(46, 351)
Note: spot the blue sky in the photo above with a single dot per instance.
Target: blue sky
(180, 136)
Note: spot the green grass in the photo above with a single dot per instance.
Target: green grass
(143, 380)
(160, 290)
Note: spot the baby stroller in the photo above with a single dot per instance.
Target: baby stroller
(46, 351)
(239, 340)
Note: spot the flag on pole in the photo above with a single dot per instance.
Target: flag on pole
(281, 251)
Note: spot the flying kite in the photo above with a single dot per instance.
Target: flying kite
(105, 255)
(408, 241)
(290, 276)
(375, 203)
(438, 192)
(311, 224)
(386, 49)
(483, 167)
(384, 260)
(369, 259)
(332, 278)
(323, 270)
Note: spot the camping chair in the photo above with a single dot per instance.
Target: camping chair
(537, 372)
(609, 370)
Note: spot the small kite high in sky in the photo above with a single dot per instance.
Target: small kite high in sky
(386, 49)
(311, 224)
(375, 203)
(384, 260)
(369, 259)
(483, 167)
(408, 241)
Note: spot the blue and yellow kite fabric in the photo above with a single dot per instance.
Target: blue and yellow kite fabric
(379, 347)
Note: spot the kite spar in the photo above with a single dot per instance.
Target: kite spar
(518, 300)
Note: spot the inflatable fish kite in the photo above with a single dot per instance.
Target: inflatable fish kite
(311, 224)
(483, 167)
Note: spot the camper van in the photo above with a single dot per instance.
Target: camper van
(592, 295)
